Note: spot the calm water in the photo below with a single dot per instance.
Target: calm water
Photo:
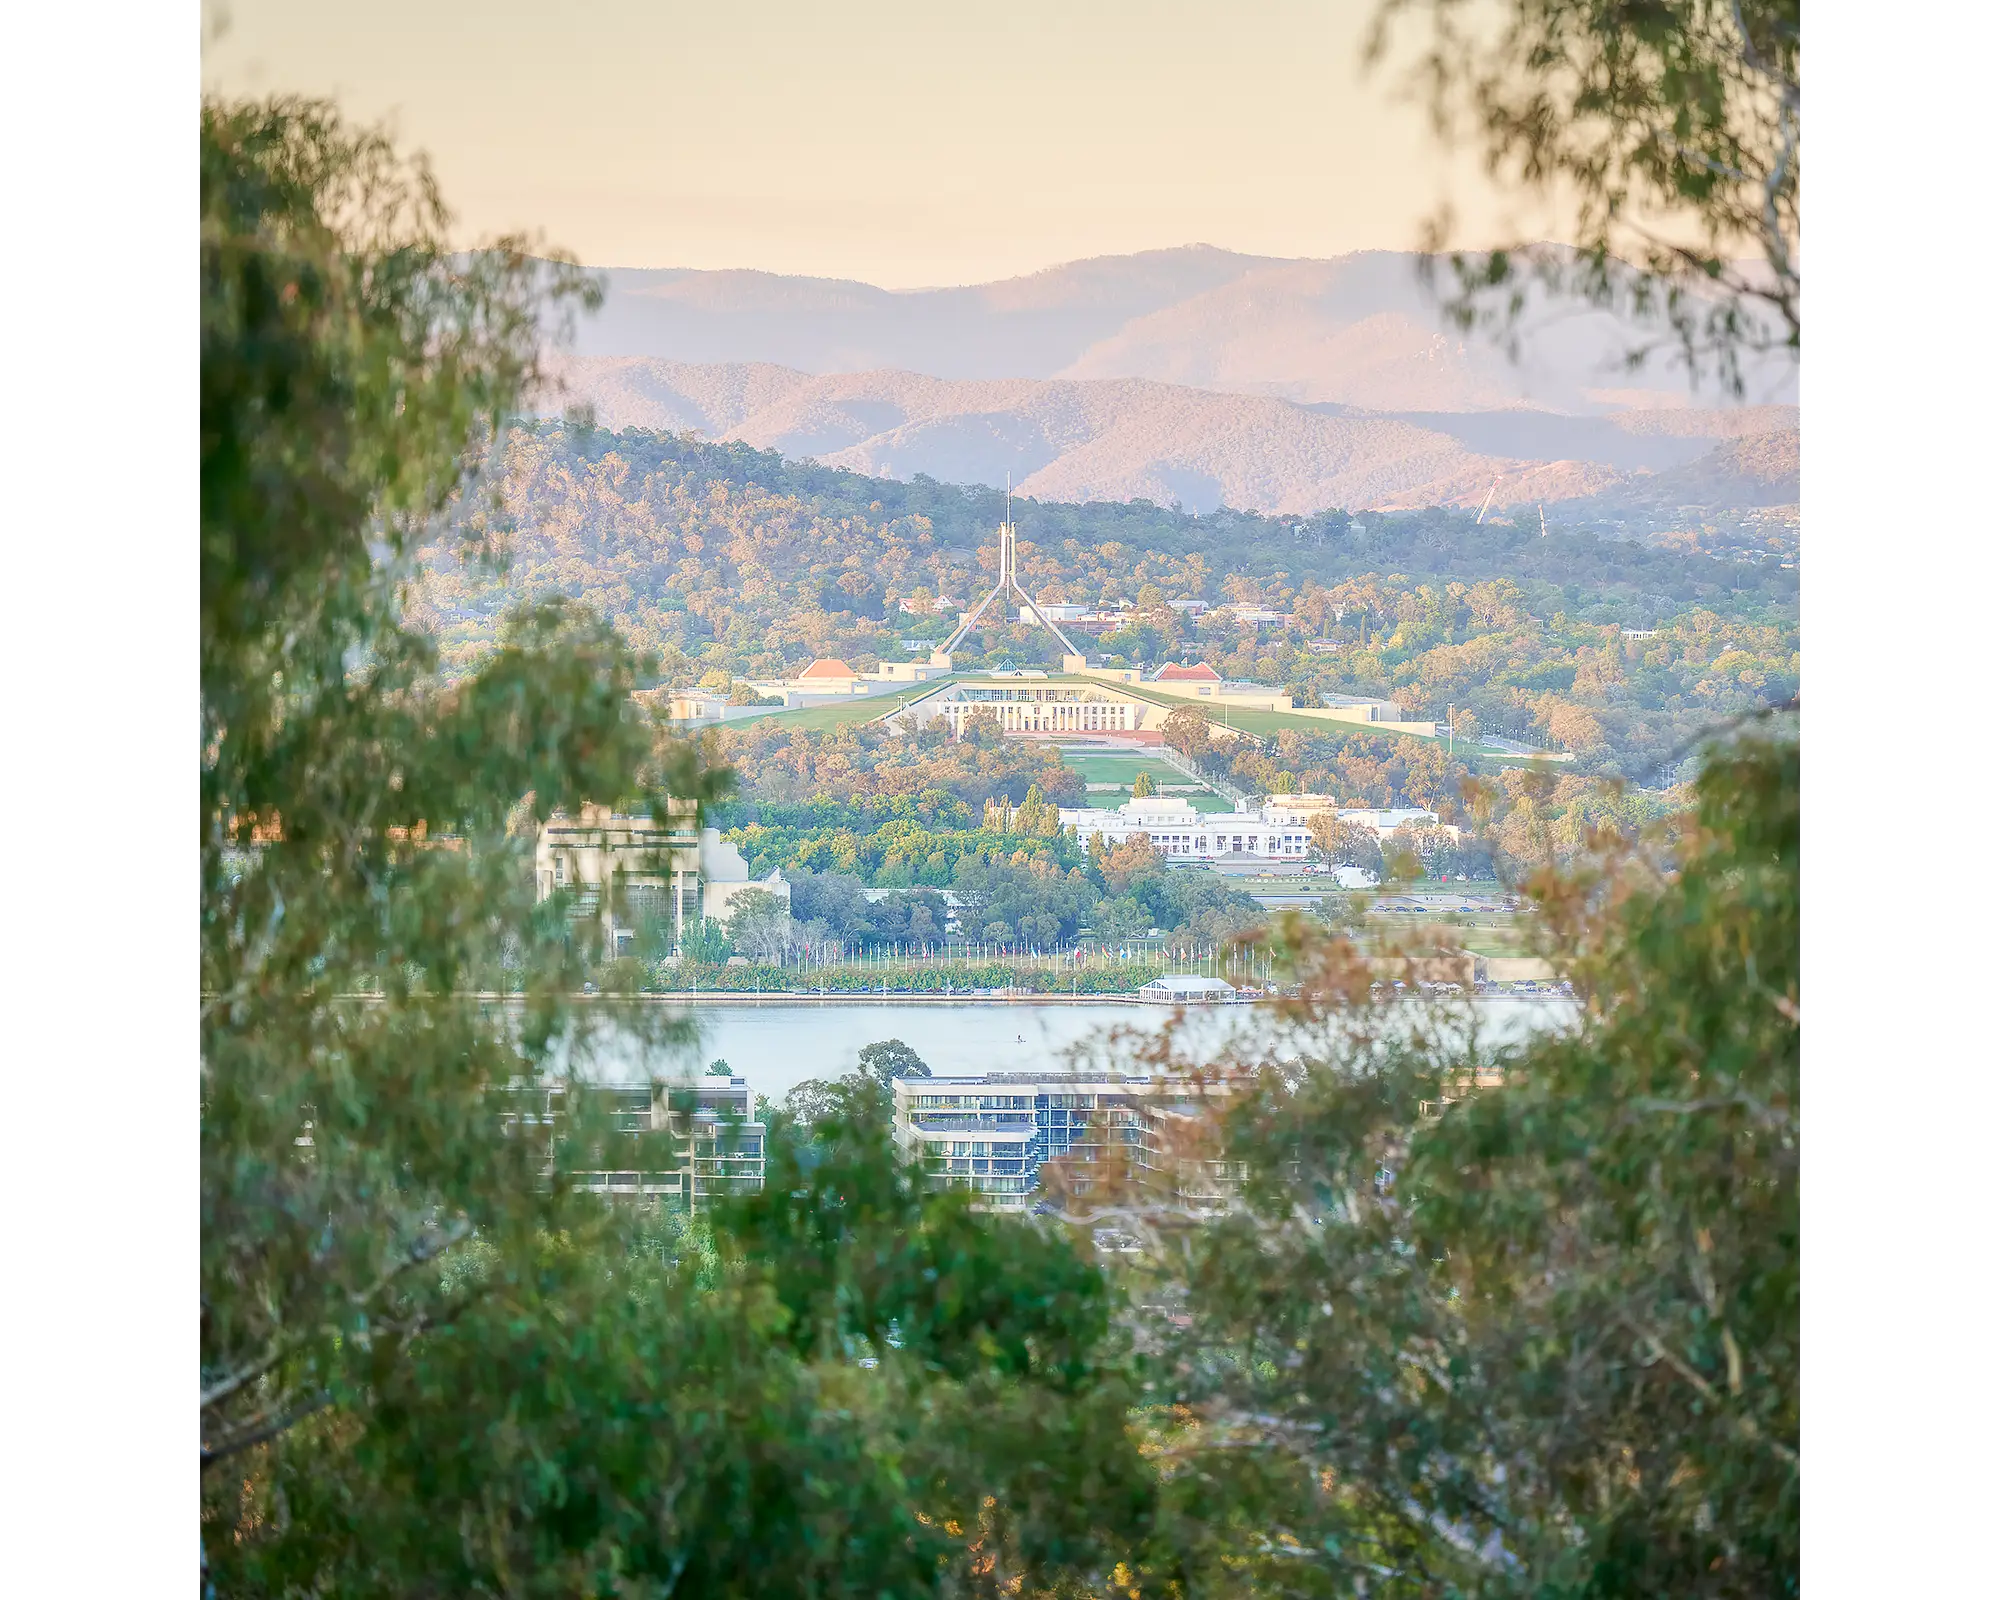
(775, 1046)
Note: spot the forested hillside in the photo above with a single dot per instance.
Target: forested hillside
(727, 561)
(1128, 438)
(1111, 439)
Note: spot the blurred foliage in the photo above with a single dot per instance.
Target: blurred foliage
(835, 1387)
(1514, 1320)
(363, 828)
(1669, 130)
(429, 1363)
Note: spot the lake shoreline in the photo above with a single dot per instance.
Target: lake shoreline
(837, 997)
(728, 998)
(775, 1041)
(1026, 997)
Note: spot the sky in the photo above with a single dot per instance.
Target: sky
(905, 143)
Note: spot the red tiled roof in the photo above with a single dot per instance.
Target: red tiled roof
(828, 667)
(1200, 672)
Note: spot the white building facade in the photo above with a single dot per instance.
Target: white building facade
(681, 1143)
(992, 1133)
(1092, 700)
(1029, 702)
(1279, 831)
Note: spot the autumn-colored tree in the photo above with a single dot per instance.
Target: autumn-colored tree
(1574, 728)
(1129, 863)
(1324, 827)
(1186, 730)
(1028, 817)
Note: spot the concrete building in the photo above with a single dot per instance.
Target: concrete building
(1033, 702)
(994, 1133)
(1087, 700)
(686, 1142)
(697, 706)
(1060, 709)
(693, 709)
(829, 673)
(725, 875)
(1178, 831)
(1201, 682)
(1383, 822)
(894, 672)
(828, 679)
(1280, 830)
(1256, 616)
(626, 869)
(1386, 822)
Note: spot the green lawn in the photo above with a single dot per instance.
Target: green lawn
(1300, 883)
(1261, 723)
(1205, 800)
(1097, 768)
(1491, 933)
(1117, 769)
(847, 713)
(1124, 770)
(1266, 723)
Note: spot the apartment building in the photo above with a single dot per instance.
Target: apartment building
(683, 1143)
(995, 1133)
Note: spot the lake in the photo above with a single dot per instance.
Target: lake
(775, 1045)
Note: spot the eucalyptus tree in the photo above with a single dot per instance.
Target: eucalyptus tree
(432, 1361)
(366, 826)
(1495, 1318)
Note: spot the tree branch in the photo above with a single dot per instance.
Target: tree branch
(1743, 1425)
(265, 1426)
(422, 1251)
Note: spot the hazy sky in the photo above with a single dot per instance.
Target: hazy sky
(903, 142)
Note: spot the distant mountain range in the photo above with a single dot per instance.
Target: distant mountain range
(1126, 439)
(1357, 330)
(1191, 376)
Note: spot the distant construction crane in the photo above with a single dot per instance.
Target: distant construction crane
(1008, 579)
